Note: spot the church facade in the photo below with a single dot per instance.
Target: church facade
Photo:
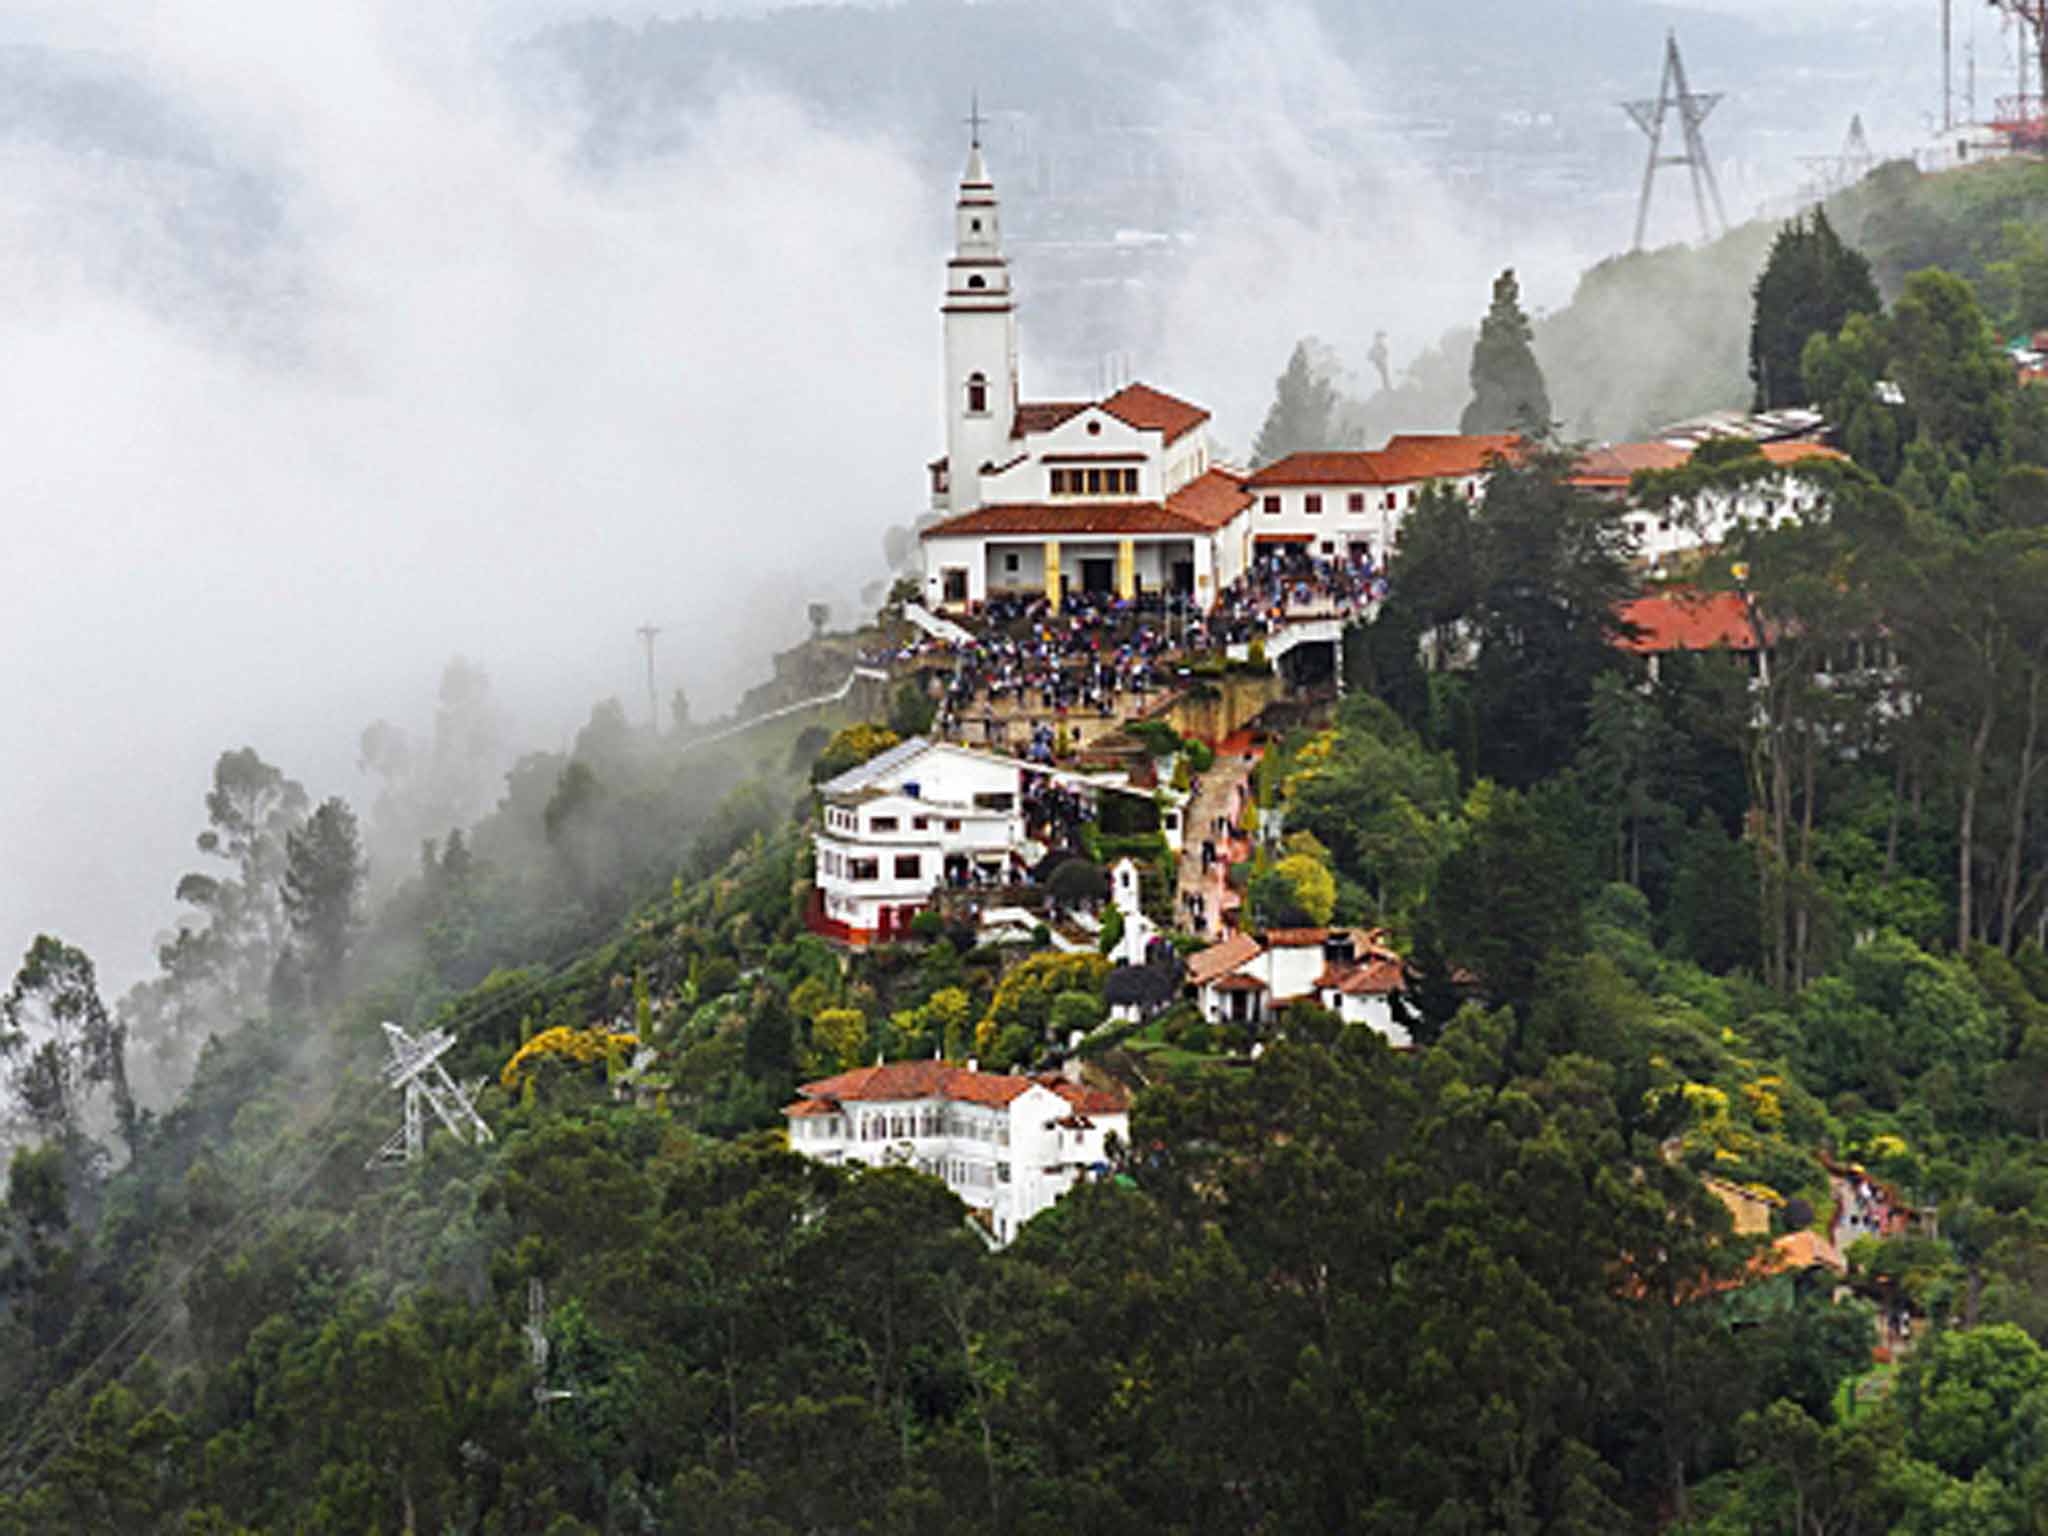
(1114, 497)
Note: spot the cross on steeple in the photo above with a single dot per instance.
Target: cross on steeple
(975, 119)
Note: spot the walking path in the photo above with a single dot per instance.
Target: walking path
(1220, 798)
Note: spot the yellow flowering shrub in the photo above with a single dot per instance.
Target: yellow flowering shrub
(581, 1047)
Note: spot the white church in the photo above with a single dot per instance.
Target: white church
(1054, 496)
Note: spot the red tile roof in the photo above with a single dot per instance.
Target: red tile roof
(1044, 415)
(1152, 410)
(1227, 954)
(1211, 499)
(1686, 619)
(1439, 455)
(1297, 938)
(1795, 453)
(1376, 977)
(1236, 983)
(897, 1081)
(1356, 467)
(1043, 518)
(1406, 458)
(1612, 467)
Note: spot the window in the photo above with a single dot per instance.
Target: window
(977, 281)
(975, 225)
(908, 866)
(991, 801)
(863, 869)
(977, 394)
(1312, 504)
(1329, 547)
(919, 823)
(1002, 1173)
(1010, 566)
(1355, 502)
(1272, 507)
(1390, 501)
(952, 824)
(882, 824)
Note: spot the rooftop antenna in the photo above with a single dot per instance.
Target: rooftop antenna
(2029, 14)
(415, 1066)
(1692, 108)
(1948, 74)
(647, 632)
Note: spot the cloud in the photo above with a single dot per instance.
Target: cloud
(381, 374)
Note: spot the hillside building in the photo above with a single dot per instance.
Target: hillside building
(1246, 979)
(1008, 1145)
(1351, 505)
(1044, 497)
(1666, 536)
(926, 816)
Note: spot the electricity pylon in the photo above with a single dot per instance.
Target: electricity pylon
(1692, 108)
(415, 1066)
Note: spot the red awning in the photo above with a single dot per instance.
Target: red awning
(1283, 538)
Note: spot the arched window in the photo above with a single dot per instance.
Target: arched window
(977, 281)
(977, 394)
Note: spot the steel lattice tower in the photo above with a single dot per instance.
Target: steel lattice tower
(1692, 108)
(415, 1066)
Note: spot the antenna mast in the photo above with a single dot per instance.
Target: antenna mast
(1692, 108)
(415, 1066)
(647, 632)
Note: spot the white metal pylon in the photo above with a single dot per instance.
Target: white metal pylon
(415, 1066)
(536, 1331)
(1692, 107)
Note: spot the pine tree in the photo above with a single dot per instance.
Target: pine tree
(1304, 405)
(1811, 284)
(1508, 392)
(322, 878)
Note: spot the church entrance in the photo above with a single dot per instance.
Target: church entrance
(954, 582)
(1184, 577)
(1098, 576)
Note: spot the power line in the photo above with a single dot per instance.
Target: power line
(57, 1421)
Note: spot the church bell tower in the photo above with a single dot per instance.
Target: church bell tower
(981, 337)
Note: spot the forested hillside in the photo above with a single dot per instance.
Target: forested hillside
(1758, 933)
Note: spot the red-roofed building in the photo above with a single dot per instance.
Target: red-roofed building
(1351, 971)
(1112, 496)
(1008, 1145)
(1667, 534)
(1351, 503)
(1689, 619)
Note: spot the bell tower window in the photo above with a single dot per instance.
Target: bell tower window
(977, 281)
(977, 394)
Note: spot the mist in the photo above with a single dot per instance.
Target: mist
(334, 351)
(459, 395)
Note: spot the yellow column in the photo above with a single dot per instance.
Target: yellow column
(1127, 569)
(1052, 573)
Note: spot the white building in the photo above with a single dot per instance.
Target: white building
(918, 816)
(1350, 971)
(1341, 505)
(926, 815)
(1047, 497)
(1007, 1145)
(1664, 535)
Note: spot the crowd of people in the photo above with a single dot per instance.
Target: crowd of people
(1102, 655)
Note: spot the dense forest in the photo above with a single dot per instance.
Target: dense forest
(1761, 925)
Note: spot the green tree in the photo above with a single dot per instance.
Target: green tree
(1304, 403)
(1810, 285)
(61, 1043)
(1508, 392)
(323, 877)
